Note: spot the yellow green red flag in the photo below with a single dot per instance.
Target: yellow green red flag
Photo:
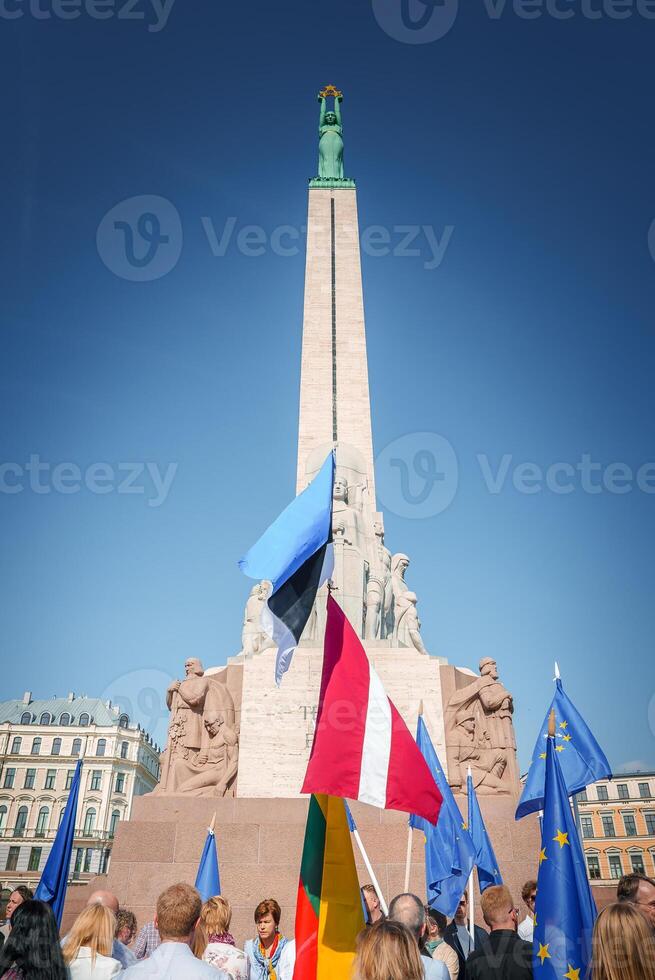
(329, 911)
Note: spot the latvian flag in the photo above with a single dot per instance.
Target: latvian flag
(362, 748)
(295, 555)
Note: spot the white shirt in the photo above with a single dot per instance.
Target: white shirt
(84, 967)
(526, 929)
(434, 969)
(173, 961)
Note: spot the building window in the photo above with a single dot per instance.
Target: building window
(77, 746)
(12, 858)
(56, 746)
(50, 779)
(96, 779)
(593, 866)
(622, 789)
(16, 744)
(120, 782)
(101, 747)
(650, 823)
(42, 821)
(60, 817)
(89, 822)
(587, 827)
(30, 777)
(26, 718)
(21, 822)
(608, 825)
(45, 718)
(582, 796)
(602, 792)
(10, 775)
(637, 862)
(69, 778)
(35, 858)
(88, 854)
(616, 870)
(65, 719)
(124, 750)
(3, 816)
(79, 854)
(105, 862)
(630, 825)
(83, 720)
(113, 823)
(36, 746)
(644, 791)
(123, 721)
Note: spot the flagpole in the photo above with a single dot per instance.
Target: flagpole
(572, 799)
(371, 872)
(408, 856)
(471, 892)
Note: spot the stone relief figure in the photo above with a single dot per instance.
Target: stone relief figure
(409, 623)
(379, 593)
(347, 512)
(399, 588)
(254, 638)
(330, 133)
(479, 731)
(201, 753)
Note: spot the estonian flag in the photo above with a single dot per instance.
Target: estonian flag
(295, 555)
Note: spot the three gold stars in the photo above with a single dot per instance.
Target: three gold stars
(561, 838)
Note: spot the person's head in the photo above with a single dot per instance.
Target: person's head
(435, 923)
(94, 927)
(462, 910)
(33, 943)
(193, 667)
(17, 897)
(623, 944)
(408, 909)
(267, 919)
(488, 668)
(330, 118)
(178, 910)
(498, 908)
(529, 894)
(125, 926)
(213, 722)
(372, 903)
(103, 897)
(340, 488)
(216, 916)
(387, 951)
(638, 890)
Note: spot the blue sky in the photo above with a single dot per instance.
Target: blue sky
(529, 340)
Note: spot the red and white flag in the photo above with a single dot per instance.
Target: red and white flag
(362, 748)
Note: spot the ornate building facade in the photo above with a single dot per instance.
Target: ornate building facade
(617, 821)
(40, 743)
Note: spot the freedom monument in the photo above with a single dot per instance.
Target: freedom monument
(237, 744)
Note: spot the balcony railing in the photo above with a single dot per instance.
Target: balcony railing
(32, 832)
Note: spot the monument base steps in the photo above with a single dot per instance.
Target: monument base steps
(259, 848)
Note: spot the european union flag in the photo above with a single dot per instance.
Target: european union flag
(485, 859)
(208, 881)
(581, 758)
(565, 910)
(54, 879)
(449, 850)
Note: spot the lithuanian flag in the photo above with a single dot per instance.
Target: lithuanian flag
(329, 912)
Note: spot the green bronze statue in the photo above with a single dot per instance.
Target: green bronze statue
(330, 132)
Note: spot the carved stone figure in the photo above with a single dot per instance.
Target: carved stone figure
(399, 587)
(479, 731)
(254, 638)
(409, 622)
(201, 754)
(379, 594)
(330, 142)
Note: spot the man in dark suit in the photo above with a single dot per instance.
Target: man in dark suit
(505, 953)
(458, 936)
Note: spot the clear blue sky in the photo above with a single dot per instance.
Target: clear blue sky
(532, 338)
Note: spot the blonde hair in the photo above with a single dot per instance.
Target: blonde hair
(387, 951)
(623, 945)
(215, 918)
(178, 910)
(94, 927)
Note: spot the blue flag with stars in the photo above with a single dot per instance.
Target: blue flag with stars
(581, 758)
(485, 859)
(449, 849)
(565, 910)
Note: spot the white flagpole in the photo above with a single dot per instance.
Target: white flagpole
(408, 859)
(371, 872)
(470, 889)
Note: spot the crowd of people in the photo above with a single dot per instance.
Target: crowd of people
(191, 939)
